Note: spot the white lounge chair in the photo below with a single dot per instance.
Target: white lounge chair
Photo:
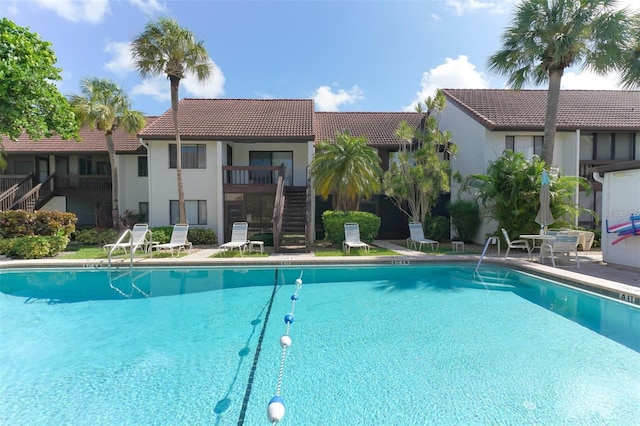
(517, 244)
(139, 239)
(565, 243)
(417, 239)
(239, 238)
(178, 240)
(352, 238)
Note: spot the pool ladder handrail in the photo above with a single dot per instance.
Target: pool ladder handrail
(144, 241)
(490, 240)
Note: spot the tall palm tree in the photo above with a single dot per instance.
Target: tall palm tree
(166, 48)
(548, 36)
(348, 169)
(631, 67)
(103, 105)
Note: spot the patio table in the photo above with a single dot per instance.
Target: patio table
(538, 237)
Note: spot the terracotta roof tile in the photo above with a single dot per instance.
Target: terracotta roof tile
(92, 141)
(237, 119)
(525, 109)
(378, 127)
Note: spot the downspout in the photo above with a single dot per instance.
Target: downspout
(577, 192)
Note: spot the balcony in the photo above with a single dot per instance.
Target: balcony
(258, 179)
(65, 184)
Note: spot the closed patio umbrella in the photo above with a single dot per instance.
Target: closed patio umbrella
(544, 217)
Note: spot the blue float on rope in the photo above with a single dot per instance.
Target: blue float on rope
(294, 297)
(275, 410)
(289, 318)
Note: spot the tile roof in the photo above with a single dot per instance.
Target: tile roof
(525, 109)
(92, 141)
(237, 119)
(378, 127)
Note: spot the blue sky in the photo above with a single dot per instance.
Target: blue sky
(346, 55)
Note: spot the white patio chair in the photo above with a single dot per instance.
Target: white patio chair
(178, 240)
(515, 244)
(417, 239)
(239, 238)
(140, 239)
(565, 243)
(352, 238)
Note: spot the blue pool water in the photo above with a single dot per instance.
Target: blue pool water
(405, 345)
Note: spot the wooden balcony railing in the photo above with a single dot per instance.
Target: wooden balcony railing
(7, 181)
(250, 175)
(82, 183)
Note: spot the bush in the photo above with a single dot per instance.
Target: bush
(32, 247)
(202, 236)
(465, 217)
(20, 223)
(334, 221)
(57, 244)
(162, 234)
(6, 246)
(437, 228)
(96, 237)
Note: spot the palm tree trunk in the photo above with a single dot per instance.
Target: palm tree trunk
(175, 84)
(553, 98)
(111, 148)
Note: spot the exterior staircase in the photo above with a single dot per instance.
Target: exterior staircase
(293, 234)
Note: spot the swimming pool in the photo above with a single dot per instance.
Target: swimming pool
(399, 345)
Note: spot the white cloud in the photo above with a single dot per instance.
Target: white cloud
(326, 100)
(149, 7)
(470, 6)
(122, 61)
(436, 17)
(453, 74)
(92, 11)
(587, 80)
(158, 87)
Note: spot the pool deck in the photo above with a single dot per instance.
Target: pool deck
(594, 275)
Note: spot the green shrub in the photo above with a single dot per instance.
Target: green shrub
(465, 217)
(437, 228)
(334, 221)
(202, 236)
(96, 237)
(32, 247)
(19, 223)
(266, 238)
(6, 246)
(57, 244)
(162, 234)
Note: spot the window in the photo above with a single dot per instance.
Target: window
(103, 168)
(84, 166)
(271, 158)
(23, 167)
(143, 166)
(193, 156)
(260, 208)
(623, 147)
(143, 208)
(195, 210)
(604, 146)
(528, 145)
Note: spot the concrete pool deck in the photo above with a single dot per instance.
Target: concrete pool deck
(614, 281)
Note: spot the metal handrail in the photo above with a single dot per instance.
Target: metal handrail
(490, 240)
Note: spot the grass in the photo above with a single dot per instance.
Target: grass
(78, 251)
(227, 254)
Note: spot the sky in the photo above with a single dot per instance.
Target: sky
(349, 55)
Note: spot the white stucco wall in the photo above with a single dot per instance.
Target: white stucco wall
(133, 189)
(198, 184)
(620, 199)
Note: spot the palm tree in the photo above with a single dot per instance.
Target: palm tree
(103, 105)
(548, 36)
(631, 68)
(348, 169)
(166, 48)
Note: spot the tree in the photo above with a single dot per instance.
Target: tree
(166, 48)
(510, 193)
(631, 65)
(548, 36)
(104, 106)
(419, 175)
(29, 100)
(348, 169)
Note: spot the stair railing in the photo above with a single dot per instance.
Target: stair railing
(308, 216)
(28, 201)
(278, 210)
(7, 197)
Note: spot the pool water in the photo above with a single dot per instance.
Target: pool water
(394, 345)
